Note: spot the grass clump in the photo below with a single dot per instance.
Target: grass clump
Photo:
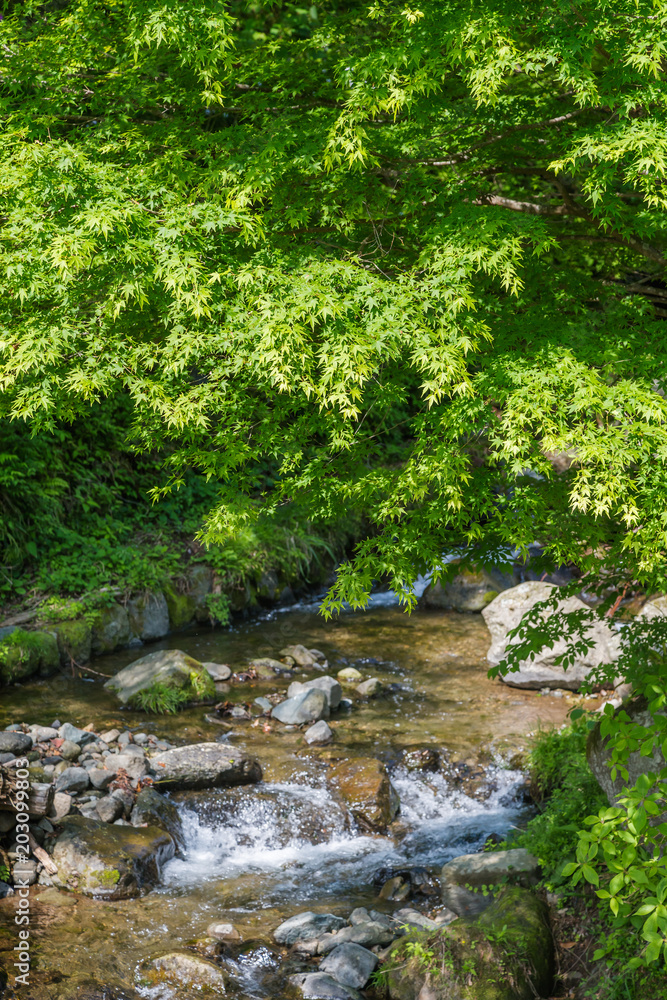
(161, 699)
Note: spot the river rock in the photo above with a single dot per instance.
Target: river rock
(519, 967)
(268, 663)
(16, 743)
(350, 964)
(170, 667)
(331, 688)
(364, 786)
(41, 734)
(305, 926)
(75, 735)
(134, 765)
(72, 779)
(190, 970)
(320, 733)
(319, 986)
(110, 629)
(469, 590)
(349, 675)
(222, 931)
(413, 919)
(367, 934)
(156, 810)
(300, 655)
(62, 803)
(69, 750)
(369, 688)
(149, 616)
(204, 765)
(109, 808)
(308, 706)
(100, 778)
(218, 671)
(517, 866)
(506, 611)
(35, 652)
(108, 861)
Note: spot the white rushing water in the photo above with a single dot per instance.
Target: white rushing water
(303, 844)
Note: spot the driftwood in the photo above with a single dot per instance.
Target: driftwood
(42, 856)
(40, 796)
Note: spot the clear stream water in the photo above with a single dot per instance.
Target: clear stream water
(258, 854)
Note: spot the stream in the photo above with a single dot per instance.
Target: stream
(258, 854)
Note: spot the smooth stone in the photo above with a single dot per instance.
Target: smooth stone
(410, 918)
(459, 878)
(72, 779)
(264, 704)
(134, 765)
(302, 656)
(107, 861)
(350, 675)
(350, 964)
(5, 758)
(319, 733)
(15, 742)
(204, 765)
(41, 734)
(223, 932)
(110, 736)
(360, 915)
(309, 706)
(75, 735)
(171, 667)
(306, 925)
(269, 664)
(25, 871)
(329, 685)
(5, 890)
(218, 671)
(369, 688)
(367, 934)
(189, 970)
(149, 616)
(319, 986)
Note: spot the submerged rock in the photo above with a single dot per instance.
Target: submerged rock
(204, 765)
(170, 668)
(305, 926)
(308, 706)
(331, 688)
(107, 861)
(459, 878)
(349, 675)
(364, 786)
(369, 688)
(318, 734)
(190, 970)
(350, 964)
(519, 967)
(506, 611)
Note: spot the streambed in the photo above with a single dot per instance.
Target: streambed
(259, 854)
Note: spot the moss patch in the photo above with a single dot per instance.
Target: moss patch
(23, 654)
(74, 641)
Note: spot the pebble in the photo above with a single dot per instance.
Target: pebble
(110, 736)
(350, 675)
(124, 739)
(70, 750)
(223, 932)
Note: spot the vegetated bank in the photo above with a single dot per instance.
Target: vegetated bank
(89, 563)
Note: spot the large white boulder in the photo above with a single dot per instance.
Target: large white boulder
(506, 611)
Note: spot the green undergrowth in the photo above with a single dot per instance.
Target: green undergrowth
(566, 792)
(79, 527)
(167, 699)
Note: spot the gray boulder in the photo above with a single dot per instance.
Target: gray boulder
(598, 755)
(469, 590)
(100, 778)
(218, 671)
(106, 861)
(16, 743)
(350, 964)
(149, 616)
(109, 808)
(75, 735)
(308, 706)
(319, 986)
(301, 656)
(170, 667)
(305, 926)
(318, 734)
(72, 779)
(329, 685)
(506, 611)
(110, 630)
(204, 765)
(367, 934)
(518, 866)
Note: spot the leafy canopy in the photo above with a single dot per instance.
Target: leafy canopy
(405, 255)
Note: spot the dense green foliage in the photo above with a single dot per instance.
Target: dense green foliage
(404, 254)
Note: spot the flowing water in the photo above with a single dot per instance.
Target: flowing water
(258, 854)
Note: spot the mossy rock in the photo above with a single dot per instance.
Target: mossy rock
(110, 629)
(163, 682)
(74, 641)
(182, 607)
(23, 654)
(507, 953)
